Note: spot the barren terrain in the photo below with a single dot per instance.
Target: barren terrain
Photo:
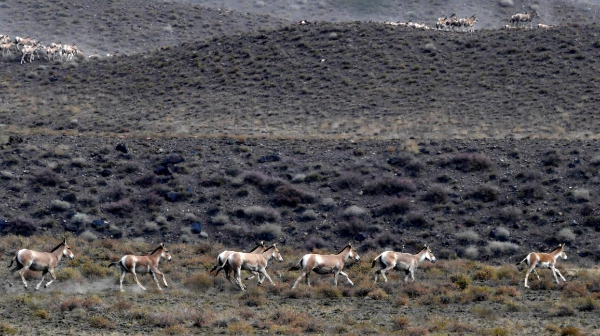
(227, 123)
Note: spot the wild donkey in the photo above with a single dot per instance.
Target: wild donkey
(41, 261)
(325, 264)
(408, 263)
(255, 263)
(143, 264)
(222, 257)
(544, 260)
(521, 18)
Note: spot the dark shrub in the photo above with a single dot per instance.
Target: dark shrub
(468, 162)
(351, 227)
(145, 181)
(23, 226)
(389, 187)
(213, 181)
(266, 183)
(120, 208)
(349, 181)
(151, 199)
(288, 195)
(46, 177)
(528, 176)
(409, 163)
(551, 159)
(314, 242)
(397, 206)
(259, 214)
(417, 219)
(531, 191)
(436, 195)
(510, 214)
(485, 193)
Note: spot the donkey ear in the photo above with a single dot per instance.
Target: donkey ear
(162, 244)
(262, 243)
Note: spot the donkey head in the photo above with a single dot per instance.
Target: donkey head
(353, 254)
(562, 253)
(275, 254)
(66, 251)
(429, 255)
(165, 253)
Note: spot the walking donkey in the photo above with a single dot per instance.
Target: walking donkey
(325, 264)
(544, 260)
(468, 23)
(255, 263)
(143, 264)
(406, 262)
(516, 19)
(41, 261)
(222, 257)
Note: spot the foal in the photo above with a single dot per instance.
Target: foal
(41, 261)
(260, 248)
(389, 260)
(143, 264)
(325, 264)
(544, 260)
(255, 263)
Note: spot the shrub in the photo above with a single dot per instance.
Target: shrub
(485, 193)
(566, 235)
(354, 211)
(328, 203)
(467, 236)
(510, 214)
(46, 177)
(468, 162)
(253, 297)
(551, 159)
(378, 294)
(349, 181)
(23, 226)
(570, 331)
(508, 291)
(436, 195)
(220, 219)
(289, 195)
(204, 318)
(486, 273)
(415, 290)
(71, 303)
(460, 280)
(587, 304)
(581, 195)
(120, 208)
(314, 242)
(41, 313)
(470, 252)
(308, 215)
(81, 218)
(7, 329)
(327, 291)
(268, 232)
(531, 191)
(496, 247)
(93, 270)
(561, 310)
(401, 301)
(500, 233)
(397, 206)
(260, 214)
(400, 323)
(58, 205)
(199, 282)
(417, 220)
(389, 187)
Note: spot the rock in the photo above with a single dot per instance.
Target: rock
(196, 227)
(203, 234)
(173, 159)
(269, 158)
(71, 227)
(99, 224)
(121, 148)
(172, 196)
(360, 237)
(105, 173)
(162, 170)
(3, 224)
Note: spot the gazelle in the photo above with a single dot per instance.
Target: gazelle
(222, 257)
(325, 264)
(524, 18)
(41, 261)
(255, 263)
(406, 262)
(143, 264)
(544, 260)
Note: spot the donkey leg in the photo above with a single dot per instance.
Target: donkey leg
(412, 275)
(347, 278)
(335, 278)
(303, 274)
(136, 278)
(43, 276)
(22, 273)
(266, 275)
(163, 277)
(53, 278)
(536, 274)
(155, 280)
(307, 279)
(554, 274)
(561, 276)
(121, 280)
(387, 269)
(527, 277)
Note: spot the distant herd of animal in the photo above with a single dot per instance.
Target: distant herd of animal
(29, 47)
(257, 260)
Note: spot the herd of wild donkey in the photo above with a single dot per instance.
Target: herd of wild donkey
(256, 262)
(29, 47)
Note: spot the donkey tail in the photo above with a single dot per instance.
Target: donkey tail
(217, 268)
(296, 266)
(114, 263)
(378, 259)
(520, 262)
(12, 261)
